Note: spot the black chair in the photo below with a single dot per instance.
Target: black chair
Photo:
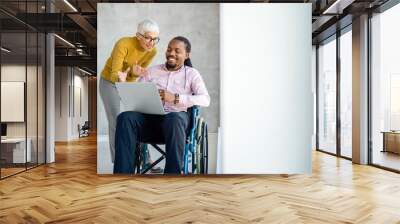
(84, 130)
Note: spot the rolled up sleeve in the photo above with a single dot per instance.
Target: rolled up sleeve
(200, 96)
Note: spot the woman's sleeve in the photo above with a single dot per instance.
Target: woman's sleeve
(118, 54)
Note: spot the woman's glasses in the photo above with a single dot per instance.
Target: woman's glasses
(149, 39)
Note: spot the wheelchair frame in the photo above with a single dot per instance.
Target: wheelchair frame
(195, 158)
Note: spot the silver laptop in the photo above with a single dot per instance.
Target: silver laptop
(141, 97)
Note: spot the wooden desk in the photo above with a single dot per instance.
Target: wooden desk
(391, 141)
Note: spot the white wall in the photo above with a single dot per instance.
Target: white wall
(80, 84)
(266, 93)
(61, 104)
(68, 83)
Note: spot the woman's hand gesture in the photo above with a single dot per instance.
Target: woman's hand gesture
(139, 70)
(122, 75)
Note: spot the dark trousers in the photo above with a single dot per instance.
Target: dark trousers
(133, 127)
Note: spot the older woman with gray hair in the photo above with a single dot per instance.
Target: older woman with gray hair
(129, 59)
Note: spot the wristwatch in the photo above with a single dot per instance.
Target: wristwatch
(176, 100)
(162, 94)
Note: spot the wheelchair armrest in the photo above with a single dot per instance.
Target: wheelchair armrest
(194, 108)
(194, 113)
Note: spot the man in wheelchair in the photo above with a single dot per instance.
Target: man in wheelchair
(180, 87)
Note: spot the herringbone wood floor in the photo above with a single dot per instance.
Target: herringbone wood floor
(70, 191)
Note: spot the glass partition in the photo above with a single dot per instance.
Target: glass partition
(22, 88)
(327, 96)
(346, 94)
(385, 87)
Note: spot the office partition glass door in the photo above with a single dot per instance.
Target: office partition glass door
(327, 96)
(334, 100)
(346, 93)
(15, 149)
(22, 88)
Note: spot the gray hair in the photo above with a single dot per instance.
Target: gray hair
(147, 25)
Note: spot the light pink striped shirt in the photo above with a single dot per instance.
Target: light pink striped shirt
(186, 81)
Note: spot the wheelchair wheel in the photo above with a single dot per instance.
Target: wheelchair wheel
(204, 149)
(198, 146)
(139, 158)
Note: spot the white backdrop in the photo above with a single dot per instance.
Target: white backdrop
(266, 95)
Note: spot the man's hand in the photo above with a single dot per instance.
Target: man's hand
(166, 96)
(122, 75)
(138, 70)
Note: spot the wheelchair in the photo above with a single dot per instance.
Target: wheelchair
(195, 158)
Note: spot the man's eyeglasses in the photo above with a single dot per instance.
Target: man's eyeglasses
(149, 39)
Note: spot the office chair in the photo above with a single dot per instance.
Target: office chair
(195, 160)
(83, 130)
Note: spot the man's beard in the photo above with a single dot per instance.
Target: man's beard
(169, 67)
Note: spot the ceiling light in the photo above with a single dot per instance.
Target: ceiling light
(65, 41)
(5, 50)
(84, 71)
(337, 7)
(70, 5)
